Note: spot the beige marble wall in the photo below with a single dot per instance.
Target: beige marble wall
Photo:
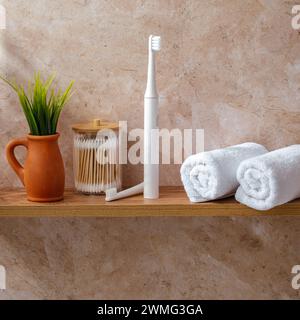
(147, 258)
(231, 67)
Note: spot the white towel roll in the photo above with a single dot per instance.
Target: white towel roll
(271, 179)
(212, 175)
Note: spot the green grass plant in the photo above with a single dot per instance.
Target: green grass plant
(41, 103)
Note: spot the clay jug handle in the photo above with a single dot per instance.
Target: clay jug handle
(11, 158)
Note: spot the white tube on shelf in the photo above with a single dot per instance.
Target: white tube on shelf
(151, 149)
(151, 141)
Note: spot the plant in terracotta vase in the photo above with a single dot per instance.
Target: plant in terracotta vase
(43, 173)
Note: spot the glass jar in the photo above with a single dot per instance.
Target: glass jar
(95, 157)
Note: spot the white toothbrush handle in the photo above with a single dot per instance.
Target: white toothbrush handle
(151, 149)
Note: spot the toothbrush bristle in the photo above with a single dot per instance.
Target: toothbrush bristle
(155, 43)
(110, 192)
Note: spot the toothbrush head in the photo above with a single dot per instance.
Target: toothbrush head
(155, 43)
(110, 193)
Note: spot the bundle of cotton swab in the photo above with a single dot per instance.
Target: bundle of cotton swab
(96, 167)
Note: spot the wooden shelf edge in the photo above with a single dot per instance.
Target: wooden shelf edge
(173, 202)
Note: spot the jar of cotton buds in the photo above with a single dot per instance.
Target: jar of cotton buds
(95, 157)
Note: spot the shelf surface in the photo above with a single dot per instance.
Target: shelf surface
(173, 202)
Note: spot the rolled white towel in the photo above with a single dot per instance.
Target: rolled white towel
(271, 179)
(212, 175)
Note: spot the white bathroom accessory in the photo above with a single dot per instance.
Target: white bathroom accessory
(212, 175)
(150, 186)
(151, 143)
(271, 179)
(112, 194)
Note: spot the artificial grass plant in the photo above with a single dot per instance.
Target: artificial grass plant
(41, 104)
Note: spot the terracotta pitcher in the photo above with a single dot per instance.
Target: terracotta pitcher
(43, 173)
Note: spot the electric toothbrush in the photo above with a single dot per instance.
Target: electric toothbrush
(150, 186)
(151, 143)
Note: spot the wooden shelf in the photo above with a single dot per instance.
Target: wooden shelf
(173, 202)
